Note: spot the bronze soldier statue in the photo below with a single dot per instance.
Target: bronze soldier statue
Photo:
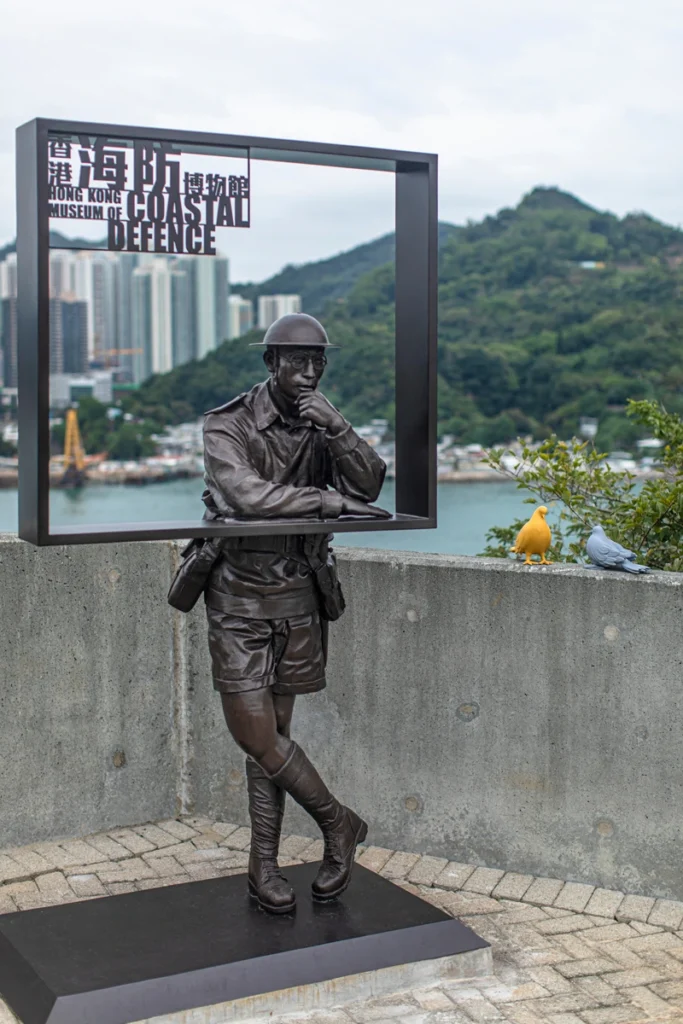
(281, 450)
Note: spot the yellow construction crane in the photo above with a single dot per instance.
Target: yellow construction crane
(74, 456)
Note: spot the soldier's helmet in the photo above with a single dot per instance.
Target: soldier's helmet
(295, 330)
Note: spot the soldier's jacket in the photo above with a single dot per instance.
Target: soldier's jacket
(260, 466)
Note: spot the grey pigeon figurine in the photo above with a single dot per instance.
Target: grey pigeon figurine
(607, 554)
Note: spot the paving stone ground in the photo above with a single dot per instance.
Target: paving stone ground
(564, 952)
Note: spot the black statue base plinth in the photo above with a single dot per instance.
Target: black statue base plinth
(125, 958)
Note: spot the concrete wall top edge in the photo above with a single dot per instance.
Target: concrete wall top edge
(488, 565)
(379, 556)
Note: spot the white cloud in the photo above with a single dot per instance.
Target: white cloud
(587, 96)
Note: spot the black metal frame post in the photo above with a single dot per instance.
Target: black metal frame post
(416, 312)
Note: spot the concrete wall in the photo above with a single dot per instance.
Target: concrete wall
(527, 719)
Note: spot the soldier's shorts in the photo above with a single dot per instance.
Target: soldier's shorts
(249, 654)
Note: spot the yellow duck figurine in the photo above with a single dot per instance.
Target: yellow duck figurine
(534, 538)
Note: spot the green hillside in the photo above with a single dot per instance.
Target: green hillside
(326, 280)
(529, 340)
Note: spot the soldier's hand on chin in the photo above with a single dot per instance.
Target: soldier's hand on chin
(315, 407)
(354, 507)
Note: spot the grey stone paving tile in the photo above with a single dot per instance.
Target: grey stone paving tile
(209, 841)
(131, 840)
(667, 914)
(240, 839)
(197, 822)
(167, 867)
(597, 989)
(574, 896)
(427, 870)
(668, 989)
(181, 830)
(432, 999)
(108, 847)
(576, 1001)
(662, 940)
(538, 957)
(519, 1013)
(564, 1018)
(594, 965)
(551, 979)
(543, 891)
(512, 886)
(635, 908)
(454, 875)
(10, 871)
(479, 1010)
(7, 904)
(524, 913)
(400, 865)
(118, 888)
(618, 952)
(54, 887)
(374, 858)
(158, 837)
(193, 855)
(483, 881)
(86, 885)
(609, 933)
(576, 948)
(564, 925)
(646, 929)
(314, 852)
(460, 904)
(633, 976)
(604, 902)
(14, 889)
(224, 828)
(293, 846)
(516, 993)
(612, 1015)
(126, 871)
(652, 1004)
(29, 859)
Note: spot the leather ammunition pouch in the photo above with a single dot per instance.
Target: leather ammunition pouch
(192, 576)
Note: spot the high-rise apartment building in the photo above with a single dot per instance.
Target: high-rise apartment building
(152, 320)
(211, 291)
(139, 313)
(74, 335)
(240, 316)
(182, 314)
(272, 307)
(8, 342)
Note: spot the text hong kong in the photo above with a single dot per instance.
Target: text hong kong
(151, 203)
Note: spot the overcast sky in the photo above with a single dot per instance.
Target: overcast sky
(586, 95)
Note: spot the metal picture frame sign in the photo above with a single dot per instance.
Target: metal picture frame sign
(167, 191)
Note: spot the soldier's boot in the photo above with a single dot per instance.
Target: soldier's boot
(341, 827)
(267, 884)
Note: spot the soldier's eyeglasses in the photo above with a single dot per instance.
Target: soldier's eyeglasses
(300, 361)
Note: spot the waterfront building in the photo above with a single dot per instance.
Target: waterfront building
(240, 316)
(67, 388)
(272, 307)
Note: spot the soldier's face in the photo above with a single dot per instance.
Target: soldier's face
(297, 371)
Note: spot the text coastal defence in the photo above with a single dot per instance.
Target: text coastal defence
(156, 221)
